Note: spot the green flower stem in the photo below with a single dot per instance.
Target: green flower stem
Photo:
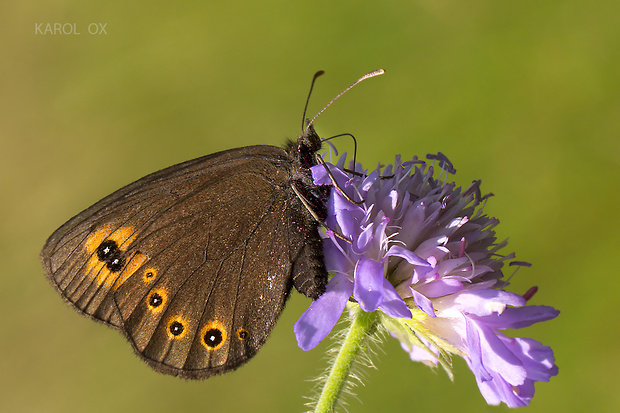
(361, 325)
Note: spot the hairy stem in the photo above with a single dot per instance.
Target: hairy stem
(362, 324)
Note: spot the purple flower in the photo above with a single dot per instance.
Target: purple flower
(425, 257)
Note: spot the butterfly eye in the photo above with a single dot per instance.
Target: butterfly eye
(242, 333)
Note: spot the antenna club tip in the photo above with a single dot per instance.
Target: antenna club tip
(374, 73)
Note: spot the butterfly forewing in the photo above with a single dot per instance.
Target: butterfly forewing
(193, 263)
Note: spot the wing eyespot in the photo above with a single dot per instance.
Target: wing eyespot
(156, 300)
(213, 335)
(149, 274)
(116, 264)
(213, 338)
(176, 328)
(106, 244)
(243, 334)
(109, 253)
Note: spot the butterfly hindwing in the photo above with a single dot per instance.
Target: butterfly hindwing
(193, 263)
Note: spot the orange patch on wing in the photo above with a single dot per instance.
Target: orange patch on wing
(96, 238)
(123, 237)
(97, 270)
(105, 276)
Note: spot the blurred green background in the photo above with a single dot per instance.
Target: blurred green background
(524, 95)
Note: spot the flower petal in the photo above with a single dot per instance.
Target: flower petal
(486, 301)
(393, 305)
(321, 177)
(538, 362)
(521, 317)
(423, 303)
(440, 287)
(360, 245)
(319, 319)
(346, 215)
(335, 260)
(410, 256)
(368, 284)
(496, 356)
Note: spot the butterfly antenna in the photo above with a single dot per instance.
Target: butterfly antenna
(366, 76)
(314, 78)
(354, 145)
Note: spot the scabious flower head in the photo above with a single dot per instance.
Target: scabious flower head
(421, 252)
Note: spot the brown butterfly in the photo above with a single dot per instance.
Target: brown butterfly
(194, 263)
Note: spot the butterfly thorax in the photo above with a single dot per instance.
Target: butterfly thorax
(303, 153)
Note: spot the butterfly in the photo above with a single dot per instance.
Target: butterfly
(193, 264)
